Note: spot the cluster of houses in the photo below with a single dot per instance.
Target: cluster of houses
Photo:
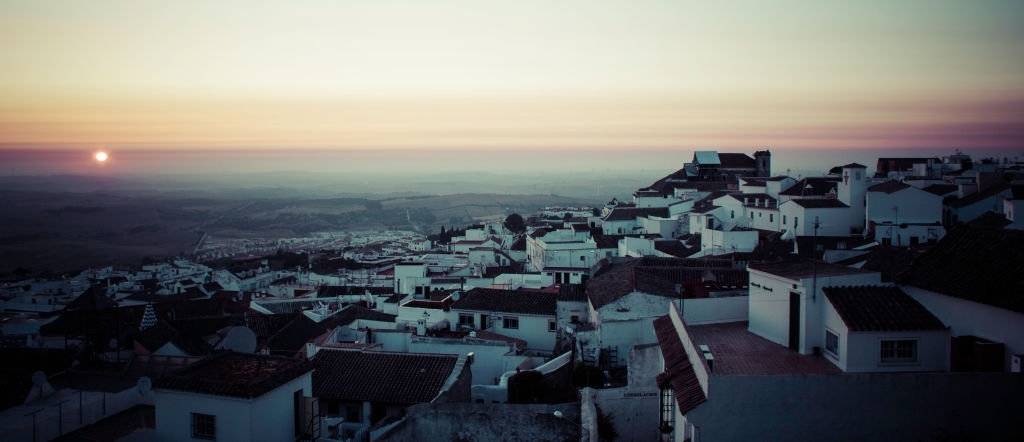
(722, 303)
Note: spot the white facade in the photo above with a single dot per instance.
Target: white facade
(861, 351)
(852, 190)
(410, 276)
(539, 331)
(563, 249)
(832, 221)
(965, 317)
(771, 298)
(267, 417)
(1011, 208)
(908, 205)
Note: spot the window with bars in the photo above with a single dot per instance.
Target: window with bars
(832, 343)
(667, 415)
(204, 426)
(898, 351)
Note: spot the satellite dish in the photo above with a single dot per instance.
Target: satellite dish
(456, 295)
(240, 339)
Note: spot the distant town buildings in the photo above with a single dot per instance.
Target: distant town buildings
(721, 303)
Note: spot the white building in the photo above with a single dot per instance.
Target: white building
(526, 315)
(971, 281)
(881, 328)
(901, 215)
(787, 304)
(236, 396)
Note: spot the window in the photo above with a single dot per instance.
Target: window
(552, 326)
(512, 323)
(783, 219)
(832, 343)
(466, 320)
(796, 222)
(771, 217)
(575, 319)
(897, 351)
(204, 426)
(732, 214)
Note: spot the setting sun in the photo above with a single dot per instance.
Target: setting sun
(101, 156)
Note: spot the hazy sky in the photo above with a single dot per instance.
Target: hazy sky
(523, 75)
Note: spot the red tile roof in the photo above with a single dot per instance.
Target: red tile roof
(235, 375)
(507, 301)
(814, 203)
(880, 308)
(679, 374)
(737, 351)
(891, 186)
(973, 263)
(383, 377)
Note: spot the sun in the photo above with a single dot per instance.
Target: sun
(101, 156)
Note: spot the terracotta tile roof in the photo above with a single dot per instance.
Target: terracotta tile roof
(675, 248)
(519, 243)
(738, 352)
(736, 161)
(507, 301)
(889, 261)
(353, 312)
(891, 186)
(679, 374)
(235, 375)
(880, 308)
(631, 213)
(156, 336)
(974, 263)
(990, 219)
(265, 326)
(293, 337)
(572, 293)
(979, 196)
(819, 186)
(814, 203)
(382, 377)
(611, 283)
(492, 336)
(607, 241)
(660, 276)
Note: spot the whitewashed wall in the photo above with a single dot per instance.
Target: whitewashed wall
(965, 317)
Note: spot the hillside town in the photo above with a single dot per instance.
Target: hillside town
(722, 302)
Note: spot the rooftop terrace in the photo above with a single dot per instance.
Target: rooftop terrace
(738, 352)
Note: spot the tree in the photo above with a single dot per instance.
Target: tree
(515, 223)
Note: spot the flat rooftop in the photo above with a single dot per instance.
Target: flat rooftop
(235, 374)
(738, 352)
